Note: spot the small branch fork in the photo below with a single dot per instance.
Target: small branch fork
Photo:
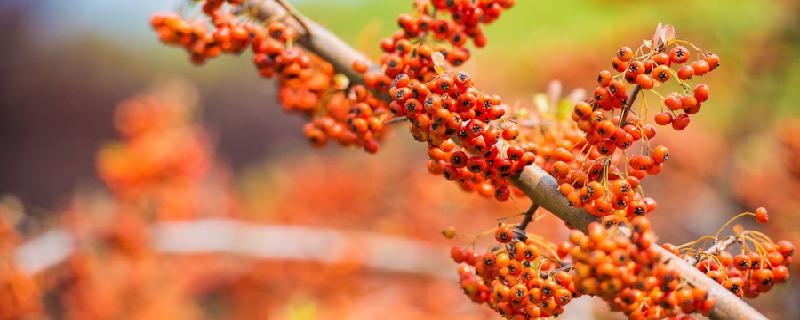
(537, 184)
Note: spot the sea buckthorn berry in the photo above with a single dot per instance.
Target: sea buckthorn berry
(780, 274)
(741, 262)
(645, 81)
(635, 68)
(662, 58)
(360, 66)
(476, 164)
(673, 102)
(700, 67)
(663, 118)
(459, 159)
(604, 78)
(688, 102)
(504, 234)
(625, 54)
(761, 215)
(661, 73)
(660, 154)
(786, 248)
(712, 60)
(618, 64)
(701, 92)
(679, 54)
(685, 73)
(449, 232)
(510, 133)
(681, 122)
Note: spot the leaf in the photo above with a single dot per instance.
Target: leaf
(438, 62)
(656, 36)
(669, 33)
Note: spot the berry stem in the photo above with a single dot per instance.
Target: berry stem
(628, 104)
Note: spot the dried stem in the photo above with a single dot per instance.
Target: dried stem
(539, 186)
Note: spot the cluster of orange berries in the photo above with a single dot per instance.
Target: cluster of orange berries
(443, 108)
(160, 146)
(760, 264)
(403, 55)
(596, 173)
(307, 84)
(514, 278)
(447, 109)
(628, 274)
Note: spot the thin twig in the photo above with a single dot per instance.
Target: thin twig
(629, 104)
(527, 218)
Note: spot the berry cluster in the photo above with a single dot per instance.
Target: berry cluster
(306, 83)
(759, 265)
(597, 173)
(160, 152)
(628, 274)
(402, 54)
(443, 108)
(514, 278)
(447, 109)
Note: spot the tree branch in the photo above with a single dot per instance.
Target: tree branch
(323, 42)
(539, 186)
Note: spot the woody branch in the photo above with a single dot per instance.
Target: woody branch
(539, 186)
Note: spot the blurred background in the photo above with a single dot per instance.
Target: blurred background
(104, 131)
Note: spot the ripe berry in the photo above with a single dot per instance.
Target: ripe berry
(679, 54)
(701, 92)
(663, 118)
(700, 67)
(673, 102)
(761, 215)
(449, 232)
(645, 81)
(685, 73)
(503, 234)
(660, 154)
(625, 54)
(681, 122)
(661, 73)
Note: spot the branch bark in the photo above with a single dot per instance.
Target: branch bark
(539, 186)
(312, 36)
